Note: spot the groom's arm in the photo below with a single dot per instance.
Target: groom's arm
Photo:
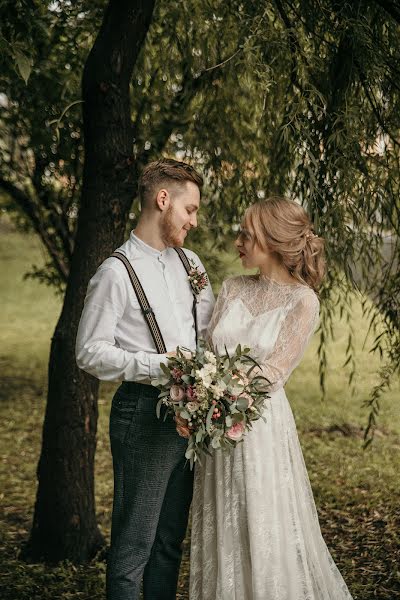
(96, 349)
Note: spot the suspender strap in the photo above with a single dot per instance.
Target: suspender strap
(188, 268)
(144, 304)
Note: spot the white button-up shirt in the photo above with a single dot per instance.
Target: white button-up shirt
(114, 341)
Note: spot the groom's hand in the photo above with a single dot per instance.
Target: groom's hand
(184, 352)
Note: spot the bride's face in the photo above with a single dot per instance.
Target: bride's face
(250, 253)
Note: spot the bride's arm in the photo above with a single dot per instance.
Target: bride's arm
(293, 338)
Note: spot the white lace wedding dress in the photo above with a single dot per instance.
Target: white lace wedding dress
(255, 530)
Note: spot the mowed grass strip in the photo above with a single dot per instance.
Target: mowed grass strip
(356, 492)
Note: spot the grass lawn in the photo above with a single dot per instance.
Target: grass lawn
(357, 492)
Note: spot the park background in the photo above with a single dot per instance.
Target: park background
(295, 97)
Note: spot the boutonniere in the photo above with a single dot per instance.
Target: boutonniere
(198, 280)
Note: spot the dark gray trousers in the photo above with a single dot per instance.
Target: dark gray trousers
(152, 493)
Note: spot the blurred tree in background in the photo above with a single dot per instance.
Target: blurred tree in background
(298, 98)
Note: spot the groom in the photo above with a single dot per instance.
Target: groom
(139, 307)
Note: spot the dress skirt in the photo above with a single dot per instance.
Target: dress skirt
(255, 529)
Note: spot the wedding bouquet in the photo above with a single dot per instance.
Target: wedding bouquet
(213, 398)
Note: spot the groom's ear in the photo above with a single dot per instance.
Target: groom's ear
(163, 199)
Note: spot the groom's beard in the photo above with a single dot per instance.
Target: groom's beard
(171, 235)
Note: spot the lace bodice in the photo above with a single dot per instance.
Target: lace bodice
(276, 320)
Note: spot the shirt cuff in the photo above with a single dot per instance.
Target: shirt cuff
(155, 370)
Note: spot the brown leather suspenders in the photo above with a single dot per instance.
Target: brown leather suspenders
(144, 303)
(188, 268)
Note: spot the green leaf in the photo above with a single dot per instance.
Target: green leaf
(199, 436)
(165, 369)
(242, 404)
(237, 417)
(24, 64)
(189, 453)
(215, 442)
(158, 408)
(209, 418)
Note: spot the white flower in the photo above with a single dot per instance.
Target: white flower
(207, 381)
(210, 357)
(210, 368)
(192, 406)
(217, 394)
(205, 375)
(218, 389)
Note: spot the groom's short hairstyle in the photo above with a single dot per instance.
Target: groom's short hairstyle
(163, 172)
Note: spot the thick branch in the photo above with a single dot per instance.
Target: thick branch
(293, 43)
(30, 210)
(107, 73)
(55, 215)
(375, 110)
(392, 8)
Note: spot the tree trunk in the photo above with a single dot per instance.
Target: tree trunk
(64, 523)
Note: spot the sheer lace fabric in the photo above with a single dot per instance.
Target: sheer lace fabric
(255, 531)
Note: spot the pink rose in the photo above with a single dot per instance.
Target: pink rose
(177, 373)
(176, 393)
(191, 392)
(182, 427)
(236, 432)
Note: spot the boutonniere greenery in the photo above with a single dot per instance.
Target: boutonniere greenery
(198, 279)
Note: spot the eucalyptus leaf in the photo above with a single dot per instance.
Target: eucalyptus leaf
(209, 418)
(189, 453)
(165, 369)
(158, 408)
(242, 404)
(199, 436)
(215, 442)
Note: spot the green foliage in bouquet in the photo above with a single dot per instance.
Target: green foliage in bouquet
(214, 398)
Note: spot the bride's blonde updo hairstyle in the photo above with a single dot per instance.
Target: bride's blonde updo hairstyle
(283, 227)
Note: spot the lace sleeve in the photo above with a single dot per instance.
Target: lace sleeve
(217, 312)
(297, 328)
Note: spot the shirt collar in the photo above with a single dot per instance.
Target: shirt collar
(142, 246)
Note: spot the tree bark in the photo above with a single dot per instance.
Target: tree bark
(64, 523)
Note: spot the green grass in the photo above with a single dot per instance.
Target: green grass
(356, 492)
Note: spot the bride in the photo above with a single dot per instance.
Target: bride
(255, 531)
